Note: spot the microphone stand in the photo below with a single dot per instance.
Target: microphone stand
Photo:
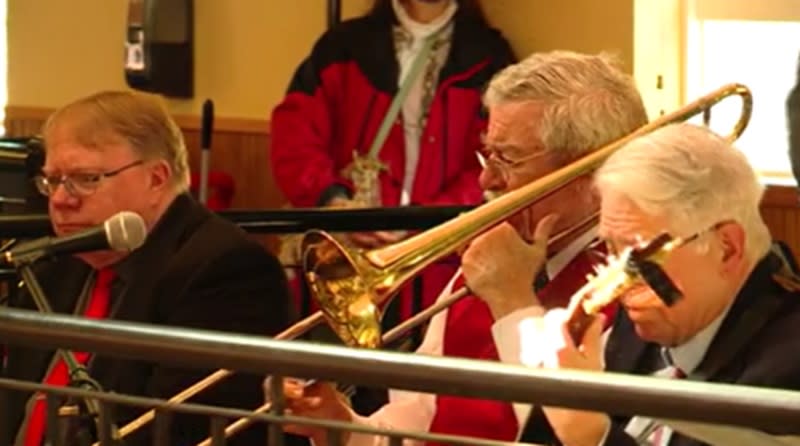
(78, 375)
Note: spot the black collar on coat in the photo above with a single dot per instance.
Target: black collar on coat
(369, 39)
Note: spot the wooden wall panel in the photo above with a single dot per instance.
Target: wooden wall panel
(781, 211)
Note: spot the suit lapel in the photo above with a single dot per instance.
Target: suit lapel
(136, 304)
(142, 273)
(624, 352)
(144, 269)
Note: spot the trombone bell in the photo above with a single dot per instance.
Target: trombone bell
(340, 286)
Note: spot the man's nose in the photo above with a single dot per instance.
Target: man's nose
(59, 196)
(491, 180)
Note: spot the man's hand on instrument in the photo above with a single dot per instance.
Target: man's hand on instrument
(319, 400)
(576, 427)
(500, 266)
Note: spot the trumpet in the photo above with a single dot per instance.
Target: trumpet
(351, 287)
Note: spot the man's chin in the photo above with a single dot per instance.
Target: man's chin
(62, 230)
(100, 259)
(489, 195)
(649, 332)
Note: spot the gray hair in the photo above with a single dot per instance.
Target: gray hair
(589, 101)
(693, 178)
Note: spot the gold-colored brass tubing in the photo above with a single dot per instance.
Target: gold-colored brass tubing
(390, 336)
(352, 286)
(292, 332)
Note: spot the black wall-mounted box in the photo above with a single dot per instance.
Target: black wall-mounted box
(159, 47)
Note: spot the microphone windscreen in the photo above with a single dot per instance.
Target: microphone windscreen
(125, 231)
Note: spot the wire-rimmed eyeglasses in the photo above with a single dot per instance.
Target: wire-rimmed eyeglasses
(78, 184)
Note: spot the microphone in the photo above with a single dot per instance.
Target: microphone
(125, 231)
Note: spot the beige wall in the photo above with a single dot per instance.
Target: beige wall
(581, 25)
(246, 50)
(659, 32)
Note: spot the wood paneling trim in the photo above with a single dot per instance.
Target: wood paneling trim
(781, 212)
(781, 196)
(186, 122)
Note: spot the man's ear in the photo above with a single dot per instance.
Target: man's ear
(160, 176)
(732, 239)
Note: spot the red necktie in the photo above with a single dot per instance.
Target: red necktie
(97, 308)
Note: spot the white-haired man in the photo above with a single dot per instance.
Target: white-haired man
(544, 113)
(736, 322)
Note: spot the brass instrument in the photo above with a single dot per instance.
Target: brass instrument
(352, 286)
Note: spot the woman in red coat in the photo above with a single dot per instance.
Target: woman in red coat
(341, 93)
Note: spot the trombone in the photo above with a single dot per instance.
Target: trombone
(351, 287)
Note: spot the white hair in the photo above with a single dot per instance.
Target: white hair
(588, 100)
(692, 178)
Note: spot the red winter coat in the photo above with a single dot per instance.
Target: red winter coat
(339, 95)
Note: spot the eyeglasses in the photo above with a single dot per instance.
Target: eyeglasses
(79, 184)
(613, 247)
(494, 158)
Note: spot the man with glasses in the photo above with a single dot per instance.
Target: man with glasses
(544, 113)
(737, 320)
(121, 151)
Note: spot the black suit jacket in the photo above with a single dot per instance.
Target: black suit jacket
(194, 270)
(768, 358)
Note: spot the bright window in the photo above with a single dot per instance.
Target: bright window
(761, 54)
